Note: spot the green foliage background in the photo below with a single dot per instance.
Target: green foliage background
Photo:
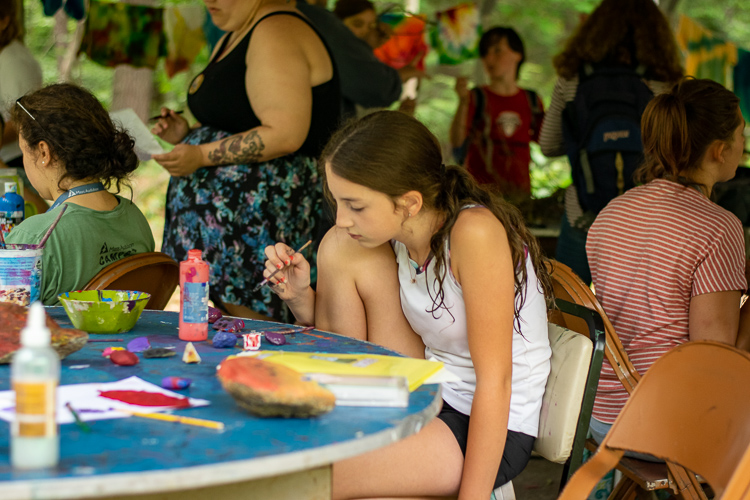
(544, 25)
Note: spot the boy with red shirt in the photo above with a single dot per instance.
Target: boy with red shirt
(497, 121)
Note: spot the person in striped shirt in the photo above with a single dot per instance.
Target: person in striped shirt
(668, 264)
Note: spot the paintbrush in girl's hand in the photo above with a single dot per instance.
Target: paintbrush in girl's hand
(265, 281)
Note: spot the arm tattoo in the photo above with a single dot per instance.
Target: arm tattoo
(238, 149)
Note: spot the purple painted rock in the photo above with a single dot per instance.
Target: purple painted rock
(276, 338)
(213, 314)
(176, 383)
(159, 352)
(123, 358)
(269, 389)
(229, 324)
(13, 318)
(224, 340)
(138, 344)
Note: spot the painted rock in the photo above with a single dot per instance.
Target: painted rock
(268, 389)
(223, 340)
(213, 314)
(159, 352)
(13, 318)
(107, 352)
(229, 324)
(138, 344)
(176, 383)
(123, 358)
(276, 338)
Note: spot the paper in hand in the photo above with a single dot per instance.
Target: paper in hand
(146, 143)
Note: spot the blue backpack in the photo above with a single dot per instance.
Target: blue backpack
(602, 132)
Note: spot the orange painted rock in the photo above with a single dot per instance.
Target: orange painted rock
(268, 389)
(13, 318)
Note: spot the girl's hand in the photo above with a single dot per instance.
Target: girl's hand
(184, 159)
(293, 281)
(171, 127)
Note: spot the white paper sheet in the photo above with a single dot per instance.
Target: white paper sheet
(146, 143)
(85, 399)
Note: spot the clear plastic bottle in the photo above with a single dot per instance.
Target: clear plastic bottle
(193, 298)
(11, 208)
(35, 374)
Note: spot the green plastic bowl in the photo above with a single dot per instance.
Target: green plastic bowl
(104, 311)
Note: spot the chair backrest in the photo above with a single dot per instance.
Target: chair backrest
(561, 405)
(568, 286)
(153, 272)
(691, 408)
(739, 485)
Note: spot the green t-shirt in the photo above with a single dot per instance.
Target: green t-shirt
(83, 243)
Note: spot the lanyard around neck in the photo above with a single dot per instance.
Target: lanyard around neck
(75, 191)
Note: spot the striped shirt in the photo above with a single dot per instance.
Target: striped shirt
(651, 250)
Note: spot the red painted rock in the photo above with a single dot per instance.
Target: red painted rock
(123, 358)
(268, 389)
(13, 318)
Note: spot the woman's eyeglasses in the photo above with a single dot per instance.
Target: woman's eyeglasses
(18, 102)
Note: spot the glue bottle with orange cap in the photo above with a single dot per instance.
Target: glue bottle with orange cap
(194, 274)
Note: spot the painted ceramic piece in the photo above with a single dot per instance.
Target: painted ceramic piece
(104, 311)
(275, 338)
(269, 389)
(13, 318)
(159, 352)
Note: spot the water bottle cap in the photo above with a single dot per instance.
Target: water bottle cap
(36, 333)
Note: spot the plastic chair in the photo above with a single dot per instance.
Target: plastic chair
(638, 474)
(571, 387)
(153, 272)
(690, 408)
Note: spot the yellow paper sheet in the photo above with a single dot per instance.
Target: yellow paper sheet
(416, 371)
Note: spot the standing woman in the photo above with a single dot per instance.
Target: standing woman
(244, 176)
(19, 73)
(617, 33)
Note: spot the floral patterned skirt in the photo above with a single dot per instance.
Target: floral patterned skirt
(233, 212)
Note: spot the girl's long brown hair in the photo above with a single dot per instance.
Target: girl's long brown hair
(627, 33)
(393, 153)
(678, 127)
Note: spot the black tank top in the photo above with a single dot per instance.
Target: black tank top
(221, 99)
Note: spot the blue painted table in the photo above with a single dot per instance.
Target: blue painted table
(251, 458)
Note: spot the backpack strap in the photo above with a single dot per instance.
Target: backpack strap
(536, 110)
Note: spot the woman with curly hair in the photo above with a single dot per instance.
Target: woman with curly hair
(618, 33)
(73, 154)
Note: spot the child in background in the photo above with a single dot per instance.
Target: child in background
(472, 285)
(73, 153)
(495, 123)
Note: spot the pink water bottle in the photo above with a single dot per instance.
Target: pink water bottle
(193, 297)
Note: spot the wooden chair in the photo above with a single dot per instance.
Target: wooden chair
(153, 272)
(739, 485)
(638, 474)
(690, 408)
